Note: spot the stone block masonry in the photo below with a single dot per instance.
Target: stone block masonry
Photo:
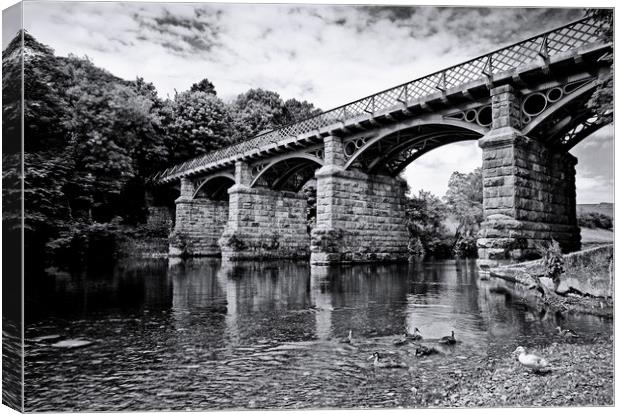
(199, 225)
(265, 224)
(529, 197)
(529, 192)
(360, 218)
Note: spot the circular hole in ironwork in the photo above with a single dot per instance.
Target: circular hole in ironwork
(349, 148)
(534, 104)
(485, 116)
(470, 116)
(554, 95)
(526, 119)
(359, 143)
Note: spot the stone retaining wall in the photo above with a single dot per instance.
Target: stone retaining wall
(265, 224)
(360, 218)
(589, 271)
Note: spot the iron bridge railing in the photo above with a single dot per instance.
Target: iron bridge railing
(573, 35)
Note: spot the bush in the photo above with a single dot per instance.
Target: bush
(595, 220)
(553, 261)
(465, 247)
(415, 248)
(439, 247)
(89, 244)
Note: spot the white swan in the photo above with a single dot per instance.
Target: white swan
(531, 361)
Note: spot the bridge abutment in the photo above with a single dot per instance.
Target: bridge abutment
(360, 217)
(529, 191)
(263, 223)
(199, 224)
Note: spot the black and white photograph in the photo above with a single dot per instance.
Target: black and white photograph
(213, 206)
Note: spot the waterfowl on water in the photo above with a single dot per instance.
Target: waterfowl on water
(425, 350)
(566, 332)
(385, 362)
(401, 341)
(415, 336)
(348, 339)
(531, 361)
(448, 340)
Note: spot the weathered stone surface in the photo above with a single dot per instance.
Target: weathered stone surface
(360, 218)
(529, 192)
(199, 224)
(265, 224)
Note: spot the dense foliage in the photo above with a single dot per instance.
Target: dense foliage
(428, 235)
(92, 139)
(464, 201)
(427, 216)
(602, 100)
(594, 220)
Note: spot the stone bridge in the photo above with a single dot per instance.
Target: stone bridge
(525, 104)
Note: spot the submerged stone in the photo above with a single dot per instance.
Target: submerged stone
(72, 343)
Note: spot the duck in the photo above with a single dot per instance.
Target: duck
(566, 332)
(348, 339)
(415, 336)
(531, 361)
(401, 341)
(385, 362)
(448, 340)
(425, 351)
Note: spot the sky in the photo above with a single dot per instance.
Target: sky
(328, 55)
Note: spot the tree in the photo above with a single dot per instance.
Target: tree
(464, 200)
(203, 86)
(295, 111)
(256, 111)
(45, 108)
(602, 100)
(425, 215)
(196, 123)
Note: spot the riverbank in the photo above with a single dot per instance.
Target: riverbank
(586, 285)
(582, 375)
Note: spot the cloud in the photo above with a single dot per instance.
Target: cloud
(432, 171)
(595, 166)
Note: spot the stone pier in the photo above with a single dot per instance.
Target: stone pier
(199, 224)
(529, 191)
(360, 217)
(263, 223)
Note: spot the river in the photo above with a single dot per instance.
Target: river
(203, 334)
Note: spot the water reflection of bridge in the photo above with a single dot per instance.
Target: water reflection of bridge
(288, 301)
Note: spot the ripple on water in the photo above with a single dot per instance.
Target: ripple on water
(206, 336)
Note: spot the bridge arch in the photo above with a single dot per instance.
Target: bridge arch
(561, 116)
(215, 187)
(287, 172)
(390, 151)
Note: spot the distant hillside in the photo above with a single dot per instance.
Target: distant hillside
(603, 208)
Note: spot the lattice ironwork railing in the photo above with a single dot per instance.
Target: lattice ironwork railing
(573, 35)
